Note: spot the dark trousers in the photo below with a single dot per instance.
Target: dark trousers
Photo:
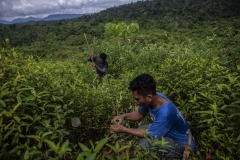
(172, 149)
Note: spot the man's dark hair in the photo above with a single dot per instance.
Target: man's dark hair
(103, 56)
(144, 84)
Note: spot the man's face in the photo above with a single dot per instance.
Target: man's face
(101, 60)
(142, 100)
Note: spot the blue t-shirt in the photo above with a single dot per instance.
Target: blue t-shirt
(167, 122)
(103, 66)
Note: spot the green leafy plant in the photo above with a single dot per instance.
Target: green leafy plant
(91, 153)
(121, 29)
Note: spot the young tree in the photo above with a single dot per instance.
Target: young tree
(121, 29)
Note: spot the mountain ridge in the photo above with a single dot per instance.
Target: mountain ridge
(52, 17)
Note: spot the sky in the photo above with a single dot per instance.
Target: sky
(12, 9)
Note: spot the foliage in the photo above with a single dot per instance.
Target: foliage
(121, 29)
(157, 11)
(45, 80)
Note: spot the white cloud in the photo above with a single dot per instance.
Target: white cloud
(11, 9)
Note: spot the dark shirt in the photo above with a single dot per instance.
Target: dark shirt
(103, 66)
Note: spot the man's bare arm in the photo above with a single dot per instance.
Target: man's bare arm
(133, 116)
(99, 69)
(139, 132)
(90, 57)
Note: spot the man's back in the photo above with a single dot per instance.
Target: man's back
(168, 122)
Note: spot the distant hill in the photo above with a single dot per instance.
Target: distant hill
(194, 10)
(53, 17)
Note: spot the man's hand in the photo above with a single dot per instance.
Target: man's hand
(118, 119)
(90, 56)
(117, 128)
(94, 65)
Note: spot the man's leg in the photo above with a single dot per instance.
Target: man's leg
(172, 149)
(144, 142)
(175, 150)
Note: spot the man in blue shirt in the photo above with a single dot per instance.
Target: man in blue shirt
(167, 121)
(99, 63)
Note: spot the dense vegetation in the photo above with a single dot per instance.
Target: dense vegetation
(45, 80)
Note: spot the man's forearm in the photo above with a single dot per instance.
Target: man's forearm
(133, 116)
(90, 57)
(140, 132)
(99, 69)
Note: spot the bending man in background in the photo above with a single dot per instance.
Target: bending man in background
(99, 63)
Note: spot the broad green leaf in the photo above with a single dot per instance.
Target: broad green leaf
(86, 154)
(25, 89)
(26, 116)
(83, 147)
(52, 145)
(17, 119)
(2, 103)
(238, 138)
(4, 93)
(92, 145)
(234, 115)
(109, 157)
(45, 134)
(92, 156)
(203, 112)
(34, 137)
(6, 113)
(26, 155)
(65, 144)
(123, 148)
(80, 157)
(112, 147)
(15, 107)
(8, 133)
(8, 125)
(100, 144)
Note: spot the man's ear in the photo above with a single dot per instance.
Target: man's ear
(149, 97)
